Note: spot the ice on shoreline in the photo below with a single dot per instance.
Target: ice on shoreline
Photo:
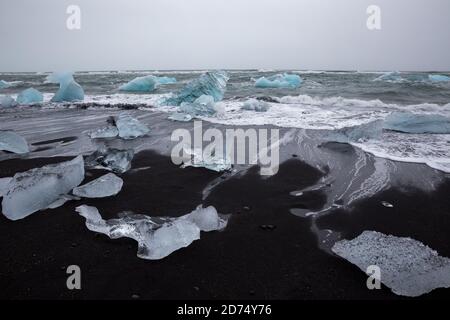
(408, 267)
(12, 142)
(202, 106)
(30, 96)
(69, 90)
(38, 188)
(157, 237)
(124, 126)
(104, 186)
(146, 83)
(7, 102)
(116, 160)
(198, 159)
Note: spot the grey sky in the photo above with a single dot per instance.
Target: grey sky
(231, 34)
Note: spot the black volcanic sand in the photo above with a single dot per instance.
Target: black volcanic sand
(265, 252)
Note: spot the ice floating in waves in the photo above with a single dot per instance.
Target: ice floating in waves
(408, 267)
(146, 83)
(198, 159)
(7, 102)
(118, 161)
(12, 142)
(279, 81)
(38, 188)
(394, 77)
(202, 106)
(255, 105)
(30, 96)
(105, 186)
(211, 84)
(129, 127)
(5, 84)
(69, 90)
(409, 122)
(438, 78)
(157, 237)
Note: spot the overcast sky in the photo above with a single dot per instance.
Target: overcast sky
(231, 34)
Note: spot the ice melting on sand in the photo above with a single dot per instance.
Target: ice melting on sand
(279, 81)
(69, 90)
(157, 237)
(211, 84)
(7, 102)
(255, 105)
(358, 133)
(202, 106)
(111, 159)
(146, 83)
(409, 122)
(211, 162)
(12, 142)
(129, 127)
(38, 188)
(30, 96)
(105, 186)
(408, 267)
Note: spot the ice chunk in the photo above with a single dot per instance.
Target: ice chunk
(409, 122)
(408, 267)
(38, 188)
(69, 90)
(146, 83)
(129, 127)
(212, 162)
(210, 83)
(279, 81)
(3, 183)
(106, 132)
(105, 186)
(6, 84)
(360, 133)
(12, 142)
(178, 116)
(7, 102)
(118, 161)
(202, 106)
(438, 78)
(157, 237)
(390, 77)
(30, 96)
(255, 105)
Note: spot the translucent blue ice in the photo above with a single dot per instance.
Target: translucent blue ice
(360, 133)
(202, 106)
(7, 102)
(438, 78)
(69, 90)
(30, 96)
(5, 84)
(417, 123)
(279, 81)
(146, 84)
(211, 83)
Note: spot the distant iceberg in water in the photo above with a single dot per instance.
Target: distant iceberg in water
(30, 96)
(438, 78)
(211, 84)
(408, 122)
(279, 81)
(7, 102)
(5, 84)
(146, 84)
(69, 90)
(390, 77)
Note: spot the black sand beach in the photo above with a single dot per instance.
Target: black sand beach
(264, 253)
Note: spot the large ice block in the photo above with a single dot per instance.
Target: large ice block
(69, 90)
(202, 106)
(30, 96)
(118, 161)
(12, 142)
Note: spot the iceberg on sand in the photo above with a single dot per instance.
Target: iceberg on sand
(408, 267)
(38, 188)
(146, 83)
(211, 84)
(105, 186)
(212, 162)
(202, 106)
(7, 102)
(30, 96)
(68, 90)
(118, 161)
(409, 122)
(157, 237)
(12, 142)
(279, 81)
(124, 126)
(255, 105)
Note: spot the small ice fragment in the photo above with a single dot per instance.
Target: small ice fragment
(12, 142)
(387, 204)
(69, 90)
(3, 184)
(408, 267)
(211, 83)
(183, 117)
(296, 193)
(157, 237)
(38, 188)
(118, 161)
(202, 106)
(212, 162)
(438, 78)
(129, 127)
(30, 96)
(279, 81)
(106, 132)
(105, 186)
(7, 102)
(256, 105)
